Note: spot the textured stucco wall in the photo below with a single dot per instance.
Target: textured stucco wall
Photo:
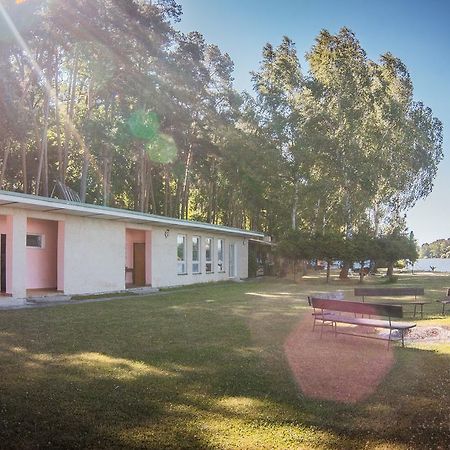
(164, 251)
(91, 253)
(94, 255)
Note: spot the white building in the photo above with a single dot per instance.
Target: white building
(49, 245)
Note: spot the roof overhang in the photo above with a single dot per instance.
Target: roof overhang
(52, 205)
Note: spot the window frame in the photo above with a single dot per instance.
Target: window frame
(209, 263)
(221, 256)
(182, 263)
(198, 261)
(41, 238)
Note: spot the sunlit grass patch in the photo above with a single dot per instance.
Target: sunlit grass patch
(205, 367)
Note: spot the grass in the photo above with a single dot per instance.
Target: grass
(205, 367)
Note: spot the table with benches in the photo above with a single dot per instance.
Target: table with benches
(395, 292)
(334, 312)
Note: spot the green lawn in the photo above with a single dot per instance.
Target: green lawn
(205, 367)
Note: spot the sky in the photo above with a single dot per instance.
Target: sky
(418, 32)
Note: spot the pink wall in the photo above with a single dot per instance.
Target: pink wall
(5, 229)
(2, 224)
(42, 262)
(132, 237)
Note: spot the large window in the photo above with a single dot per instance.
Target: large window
(196, 254)
(220, 255)
(209, 255)
(181, 255)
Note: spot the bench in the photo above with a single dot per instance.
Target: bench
(333, 312)
(389, 292)
(334, 295)
(445, 301)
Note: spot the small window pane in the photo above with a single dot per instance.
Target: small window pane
(220, 248)
(181, 254)
(34, 240)
(208, 255)
(196, 254)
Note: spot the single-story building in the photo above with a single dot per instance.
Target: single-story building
(52, 245)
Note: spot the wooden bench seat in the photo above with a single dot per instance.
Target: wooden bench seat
(334, 312)
(389, 292)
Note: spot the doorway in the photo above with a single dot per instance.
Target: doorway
(137, 258)
(3, 263)
(139, 263)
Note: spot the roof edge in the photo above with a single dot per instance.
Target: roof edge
(105, 211)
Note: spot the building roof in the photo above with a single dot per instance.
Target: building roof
(33, 202)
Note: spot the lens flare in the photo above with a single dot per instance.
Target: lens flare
(163, 149)
(144, 125)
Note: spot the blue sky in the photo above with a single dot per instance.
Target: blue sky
(418, 32)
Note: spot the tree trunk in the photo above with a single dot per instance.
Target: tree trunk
(390, 270)
(361, 272)
(4, 165)
(58, 121)
(23, 150)
(328, 270)
(295, 204)
(185, 195)
(85, 150)
(343, 274)
(43, 150)
(151, 191)
(69, 117)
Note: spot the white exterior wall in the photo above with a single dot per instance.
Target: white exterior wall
(17, 247)
(92, 253)
(164, 257)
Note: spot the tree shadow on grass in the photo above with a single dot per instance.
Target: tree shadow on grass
(195, 374)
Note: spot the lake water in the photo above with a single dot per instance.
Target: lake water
(441, 264)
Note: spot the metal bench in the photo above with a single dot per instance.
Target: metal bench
(334, 312)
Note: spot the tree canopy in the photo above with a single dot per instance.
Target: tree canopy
(109, 98)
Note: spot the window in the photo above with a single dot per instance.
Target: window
(35, 240)
(208, 255)
(220, 251)
(195, 254)
(232, 261)
(181, 254)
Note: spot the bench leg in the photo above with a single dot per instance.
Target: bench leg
(389, 340)
(415, 307)
(403, 338)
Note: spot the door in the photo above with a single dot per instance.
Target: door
(3, 263)
(232, 261)
(139, 264)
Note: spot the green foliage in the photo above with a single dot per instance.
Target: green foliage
(144, 125)
(116, 103)
(436, 249)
